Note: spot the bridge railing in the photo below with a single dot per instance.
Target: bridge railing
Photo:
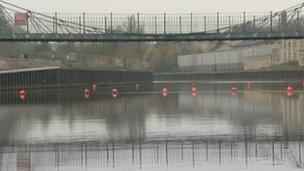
(166, 23)
(147, 26)
(136, 23)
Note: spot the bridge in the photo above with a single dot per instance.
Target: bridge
(18, 24)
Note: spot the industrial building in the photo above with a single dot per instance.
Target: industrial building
(244, 56)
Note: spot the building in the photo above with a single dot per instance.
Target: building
(261, 55)
(293, 50)
(244, 55)
(213, 61)
(279, 52)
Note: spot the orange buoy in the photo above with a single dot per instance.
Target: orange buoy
(289, 88)
(194, 91)
(194, 94)
(289, 91)
(87, 93)
(137, 87)
(114, 92)
(94, 86)
(165, 92)
(234, 90)
(22, 94)
(248, 84)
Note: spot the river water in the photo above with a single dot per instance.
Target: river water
(259, 127)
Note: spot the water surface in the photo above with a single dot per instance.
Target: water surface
(257, 128)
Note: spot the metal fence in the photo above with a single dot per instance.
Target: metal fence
(147, 26)
(155, 23)
(157, 154)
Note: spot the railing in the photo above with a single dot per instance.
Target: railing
(288, 23)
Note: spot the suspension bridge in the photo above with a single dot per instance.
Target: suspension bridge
(18, 24)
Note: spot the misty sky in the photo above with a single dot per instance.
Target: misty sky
(150, 6)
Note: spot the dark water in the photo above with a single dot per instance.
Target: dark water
(259, 127)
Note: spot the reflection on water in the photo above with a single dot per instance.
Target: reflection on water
(232, 154)
(61, 130)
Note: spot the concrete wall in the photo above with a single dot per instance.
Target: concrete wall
(56, 77)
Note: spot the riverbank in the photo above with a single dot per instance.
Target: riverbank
(287, 75)
(56, 77)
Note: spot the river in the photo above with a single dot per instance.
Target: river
(258, 127)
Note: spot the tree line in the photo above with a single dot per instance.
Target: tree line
(161, 57)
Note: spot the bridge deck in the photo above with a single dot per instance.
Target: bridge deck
(50, 37)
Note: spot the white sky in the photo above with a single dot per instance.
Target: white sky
(152, 6)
